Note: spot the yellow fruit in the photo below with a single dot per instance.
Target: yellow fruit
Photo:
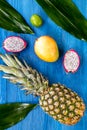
(46, 49)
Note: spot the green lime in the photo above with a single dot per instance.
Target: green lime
(36, 20)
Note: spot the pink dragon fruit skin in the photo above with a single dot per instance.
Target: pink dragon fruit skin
(14, 44)
(71, 61)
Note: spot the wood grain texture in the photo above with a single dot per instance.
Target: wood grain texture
(37, 119)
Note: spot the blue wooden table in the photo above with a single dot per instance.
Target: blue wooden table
(38, 119)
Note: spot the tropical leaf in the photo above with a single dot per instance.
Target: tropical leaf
(10, 114)
(11, 20)
(66, 15)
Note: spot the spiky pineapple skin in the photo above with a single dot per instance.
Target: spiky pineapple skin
(62, 104)
(58, 101)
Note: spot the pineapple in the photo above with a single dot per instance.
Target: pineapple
(61, 103)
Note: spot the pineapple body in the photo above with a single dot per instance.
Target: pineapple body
(62, 104)
(58, 101)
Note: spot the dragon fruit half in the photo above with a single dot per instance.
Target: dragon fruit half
(71, 61)
(14, 44)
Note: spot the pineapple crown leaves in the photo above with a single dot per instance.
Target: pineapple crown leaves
(29, 79)
(64, 100)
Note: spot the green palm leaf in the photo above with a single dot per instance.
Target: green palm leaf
(10, 114)
(66, 15)
(11, 20)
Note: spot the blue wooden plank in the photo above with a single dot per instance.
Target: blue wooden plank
(38, 119)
